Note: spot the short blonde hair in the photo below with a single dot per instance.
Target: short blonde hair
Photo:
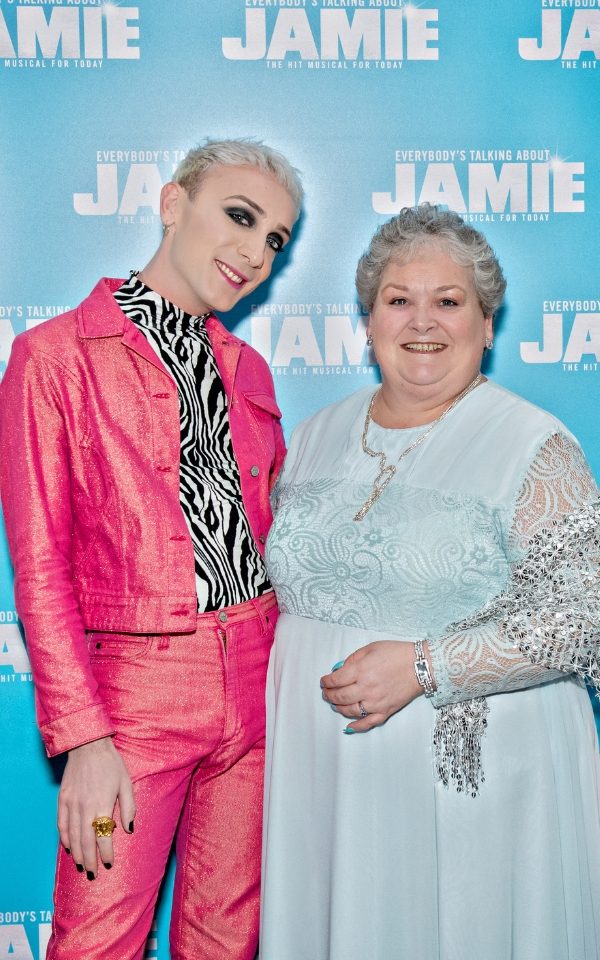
(237, 153)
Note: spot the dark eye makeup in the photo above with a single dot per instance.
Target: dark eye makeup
(275, 240)
(247, 219)
(242, 216)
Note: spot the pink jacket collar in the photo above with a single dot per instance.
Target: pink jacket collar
(100, 316)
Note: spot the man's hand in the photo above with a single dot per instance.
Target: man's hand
(95, 778)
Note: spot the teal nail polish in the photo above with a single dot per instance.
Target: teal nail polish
(348, 730)
(337, 665)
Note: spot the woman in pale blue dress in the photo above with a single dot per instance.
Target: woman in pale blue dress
(432, 787)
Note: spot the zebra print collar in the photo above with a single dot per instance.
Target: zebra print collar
(158, 311)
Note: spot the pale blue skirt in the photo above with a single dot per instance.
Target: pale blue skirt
(367, 857)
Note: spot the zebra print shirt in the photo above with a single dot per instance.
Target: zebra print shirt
(229, 568)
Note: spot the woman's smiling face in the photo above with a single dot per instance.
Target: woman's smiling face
(222, 243)
(427, 324)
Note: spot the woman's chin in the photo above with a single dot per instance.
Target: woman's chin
(421, 375)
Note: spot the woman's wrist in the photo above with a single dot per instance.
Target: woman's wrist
(423, 669)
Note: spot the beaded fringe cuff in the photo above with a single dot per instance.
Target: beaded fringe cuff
(459, 728)
(551, 611)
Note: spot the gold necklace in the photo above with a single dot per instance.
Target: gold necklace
(387, 470)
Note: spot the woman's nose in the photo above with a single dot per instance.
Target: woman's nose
(422, 318)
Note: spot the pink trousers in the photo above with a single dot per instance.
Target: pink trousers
(189, 711)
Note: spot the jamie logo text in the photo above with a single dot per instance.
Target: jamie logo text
(410, 33)
(101, 32)
(562, 38)
(567, 338)
(521, 187)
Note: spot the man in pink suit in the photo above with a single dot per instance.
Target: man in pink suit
(140, 442)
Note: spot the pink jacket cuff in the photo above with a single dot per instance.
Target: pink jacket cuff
(73, 729)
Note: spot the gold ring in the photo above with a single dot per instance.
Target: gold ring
(104, 826)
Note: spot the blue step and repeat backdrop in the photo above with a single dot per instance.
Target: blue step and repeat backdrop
(489, 108)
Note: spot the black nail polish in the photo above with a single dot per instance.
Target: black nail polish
(79, 867)
(90, 875)
(131, 826)
(108, 866)
(68, 851)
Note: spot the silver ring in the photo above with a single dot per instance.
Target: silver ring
(362, 712)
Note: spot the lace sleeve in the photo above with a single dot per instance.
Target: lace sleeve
(547, 621)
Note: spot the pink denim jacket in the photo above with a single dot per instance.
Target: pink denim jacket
(90, 438)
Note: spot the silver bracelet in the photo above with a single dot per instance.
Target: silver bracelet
(422, 670)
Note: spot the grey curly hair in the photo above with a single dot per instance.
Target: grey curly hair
(414, 227)
(241, 152)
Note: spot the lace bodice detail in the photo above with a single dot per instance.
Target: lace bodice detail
(421, 560)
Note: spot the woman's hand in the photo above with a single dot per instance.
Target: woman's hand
(95, 778)
(381, 676)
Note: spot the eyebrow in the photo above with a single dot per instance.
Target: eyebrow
(402, 286)
(259, 210)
